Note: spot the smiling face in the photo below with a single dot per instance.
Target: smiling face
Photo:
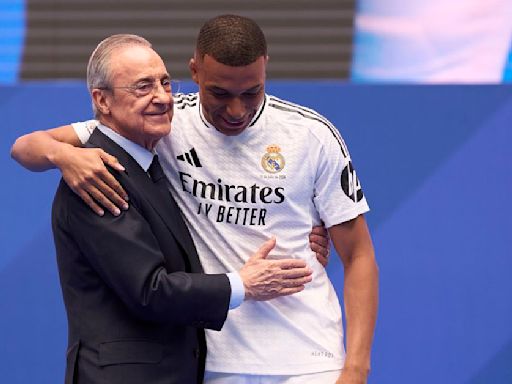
(230, 95)
(141, 119)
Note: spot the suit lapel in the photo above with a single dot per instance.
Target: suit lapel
(165, 206)
(163, 203)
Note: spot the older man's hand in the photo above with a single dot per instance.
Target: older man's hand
(266, 279)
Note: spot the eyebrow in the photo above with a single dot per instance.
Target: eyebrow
(255, 88)
(150, 78)
(217, 88)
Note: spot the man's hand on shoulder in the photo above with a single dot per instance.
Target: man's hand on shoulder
(266, 279)
(84, 171)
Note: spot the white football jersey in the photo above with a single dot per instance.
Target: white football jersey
(286, 172)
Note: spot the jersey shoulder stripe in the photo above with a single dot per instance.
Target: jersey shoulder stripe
(307, 113)
(182, 100)
(262, 108)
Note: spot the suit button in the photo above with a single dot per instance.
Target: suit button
(196, 353)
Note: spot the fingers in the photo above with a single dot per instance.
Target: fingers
(291, 291)
(265, 249)
(265, 280)
(111, 161)
(322, 259)
(86, 174)
(102, 200)
(89, 201)
(290, 263)
(319, 249)
(95, 198)
(285, 288)
(319, 243)
(296, 282)
(112, 191)
(321, 253)
(111, 181)
(320, 230)
(296, 273)
(320, 240)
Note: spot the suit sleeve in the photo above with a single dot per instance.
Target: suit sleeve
(126, 254)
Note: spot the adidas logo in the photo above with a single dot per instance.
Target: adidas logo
(191, 158)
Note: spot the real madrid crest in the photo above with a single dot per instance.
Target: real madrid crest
(273, 161)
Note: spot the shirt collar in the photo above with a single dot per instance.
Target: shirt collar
(141, 155)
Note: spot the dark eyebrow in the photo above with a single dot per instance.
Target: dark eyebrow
(219, 89)
(255, 88)
(215, 88)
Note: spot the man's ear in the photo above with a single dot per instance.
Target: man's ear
(101, 101)
(192, 65)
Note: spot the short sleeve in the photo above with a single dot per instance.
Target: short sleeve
(338, 195)
(84, 129)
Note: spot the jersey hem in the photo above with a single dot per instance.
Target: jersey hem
(264, 369)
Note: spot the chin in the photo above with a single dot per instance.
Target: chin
(165, 130)
(231, 131)
(158, 131)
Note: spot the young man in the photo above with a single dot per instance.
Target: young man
(244, 165)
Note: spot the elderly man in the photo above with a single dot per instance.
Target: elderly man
(135, 293)
(244, 165)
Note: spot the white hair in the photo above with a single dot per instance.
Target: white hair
(98, 68)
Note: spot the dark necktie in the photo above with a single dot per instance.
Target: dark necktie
(156, 173)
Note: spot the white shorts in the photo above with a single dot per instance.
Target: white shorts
(328, 377)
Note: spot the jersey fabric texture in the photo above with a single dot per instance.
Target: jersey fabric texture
(286, 172)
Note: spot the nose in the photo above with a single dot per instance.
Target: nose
(235, 109)
(161, 96)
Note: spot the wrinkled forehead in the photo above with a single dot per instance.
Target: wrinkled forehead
(136, 62)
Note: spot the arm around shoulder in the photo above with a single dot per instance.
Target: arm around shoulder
(41, 150)
(83, 169)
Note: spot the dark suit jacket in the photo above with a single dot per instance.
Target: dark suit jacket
(135, 295)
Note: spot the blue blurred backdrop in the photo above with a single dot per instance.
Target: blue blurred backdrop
(436, 166)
